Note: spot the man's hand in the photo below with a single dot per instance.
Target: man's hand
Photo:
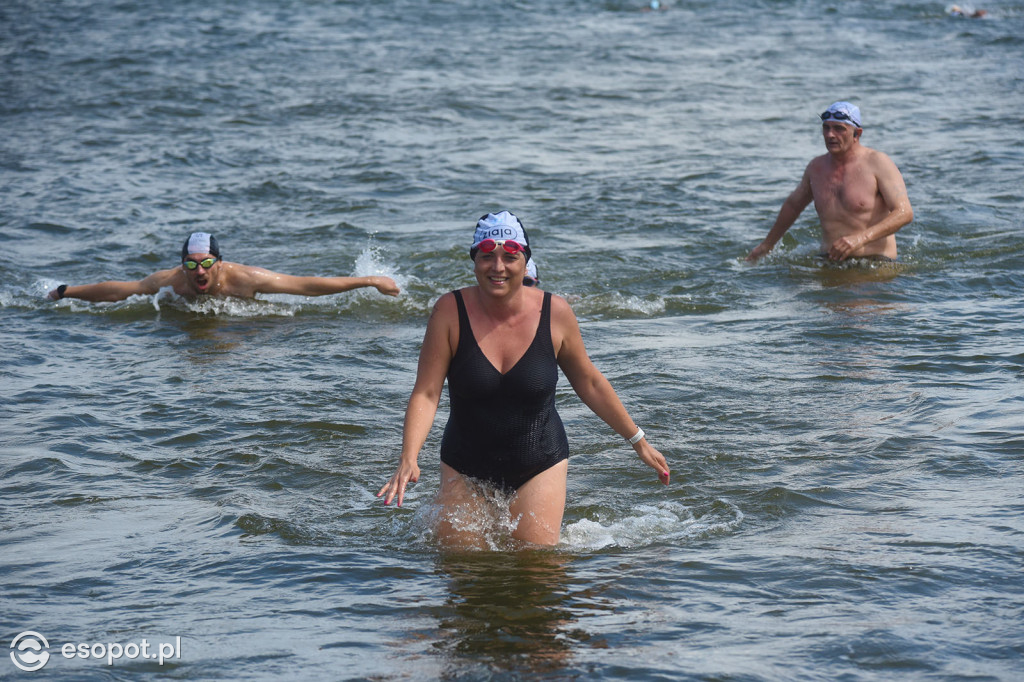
(843, 247)
(760, 251)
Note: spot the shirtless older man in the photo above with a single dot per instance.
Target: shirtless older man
(202, 272)
(858, 192)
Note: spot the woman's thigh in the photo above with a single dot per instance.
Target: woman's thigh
(467, 517)
(539, 506)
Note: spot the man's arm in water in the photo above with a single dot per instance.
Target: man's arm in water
(791, 209)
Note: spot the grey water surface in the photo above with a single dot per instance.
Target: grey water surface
(846, 442)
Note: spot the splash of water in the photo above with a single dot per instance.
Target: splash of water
(648, 524)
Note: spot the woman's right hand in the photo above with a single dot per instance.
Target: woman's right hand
(435, 357)
(408, 472)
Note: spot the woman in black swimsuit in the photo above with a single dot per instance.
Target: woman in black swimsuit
(500, 344)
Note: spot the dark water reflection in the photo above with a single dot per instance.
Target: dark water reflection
(507, 611)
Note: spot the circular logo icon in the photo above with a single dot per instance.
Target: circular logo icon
(30, 651)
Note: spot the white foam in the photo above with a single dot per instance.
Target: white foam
(650, 524)
(371, 262)
(242, 307)
(614, 301)
(637, 526)
(488, 519)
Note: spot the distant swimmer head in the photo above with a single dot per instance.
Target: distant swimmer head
(200, 242)
(655, 4)
(958, 11)
(531, 279)
(500, 229)
(843, 112)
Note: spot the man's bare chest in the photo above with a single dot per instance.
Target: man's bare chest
(845, 190)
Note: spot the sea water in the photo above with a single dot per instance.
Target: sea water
(846, 442)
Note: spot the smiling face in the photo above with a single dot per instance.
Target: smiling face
(203, 277)
(499, 271)
(839, 137)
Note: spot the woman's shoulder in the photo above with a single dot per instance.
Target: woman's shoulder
(562, 314)
(559, 304)
(444, 300)
(446, 304)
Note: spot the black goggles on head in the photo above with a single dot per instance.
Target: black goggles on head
(839, 116)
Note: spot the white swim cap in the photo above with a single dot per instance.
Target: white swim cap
(531, 279)
(843, 112)
(500, 226)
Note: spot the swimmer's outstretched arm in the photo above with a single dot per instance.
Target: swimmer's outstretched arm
(594, 389)
(262, 281)
(435, 357)
(113, 290)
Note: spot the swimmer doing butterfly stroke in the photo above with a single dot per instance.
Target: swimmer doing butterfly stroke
(203, 273)
(500, 345)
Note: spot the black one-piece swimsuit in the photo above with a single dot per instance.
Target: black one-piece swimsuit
(503, 428)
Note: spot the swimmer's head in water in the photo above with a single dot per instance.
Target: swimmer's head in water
(200, 242)
(842, 112)
(502, 226)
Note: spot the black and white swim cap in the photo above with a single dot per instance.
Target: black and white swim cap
(200, 242)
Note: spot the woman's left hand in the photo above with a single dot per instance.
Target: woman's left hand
(652, 458)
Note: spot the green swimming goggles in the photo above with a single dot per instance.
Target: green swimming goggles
(207, 263)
